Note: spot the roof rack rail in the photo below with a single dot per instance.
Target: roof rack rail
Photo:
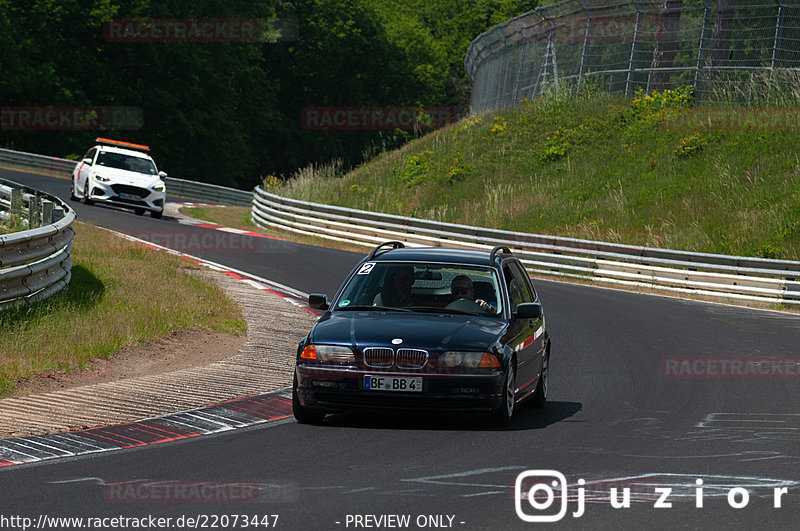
(502, 248)
(394, 244)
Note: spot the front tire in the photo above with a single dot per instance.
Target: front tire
(503, 416)
(72, 196)
(86, 190)
(301, 413)
(156, 214)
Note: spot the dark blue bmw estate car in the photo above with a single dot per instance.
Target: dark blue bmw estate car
(426, 329)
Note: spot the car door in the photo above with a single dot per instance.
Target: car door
(528, 341)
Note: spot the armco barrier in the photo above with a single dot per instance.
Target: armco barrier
(711, 275)
(208, 192)
(36, 262)
(20, 159)
(197, 191)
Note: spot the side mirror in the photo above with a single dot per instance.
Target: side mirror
(162, 174)
(87, 161)
(528, 310)
(318, 301)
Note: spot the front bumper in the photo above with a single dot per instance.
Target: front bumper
(333, 389)
(135, 197)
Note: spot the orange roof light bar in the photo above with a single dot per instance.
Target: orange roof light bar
(120, 143)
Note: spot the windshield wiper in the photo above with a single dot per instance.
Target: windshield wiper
(375, 308)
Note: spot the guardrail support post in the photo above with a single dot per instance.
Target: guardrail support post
(34, 212)
(16, 202)
(47, 212)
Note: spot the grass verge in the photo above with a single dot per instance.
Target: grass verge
(643, 171)
(121, 294)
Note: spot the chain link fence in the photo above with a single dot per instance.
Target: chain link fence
(733, 52)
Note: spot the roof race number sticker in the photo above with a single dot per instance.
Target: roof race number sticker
(366, 269)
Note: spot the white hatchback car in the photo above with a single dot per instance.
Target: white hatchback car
(122, 174)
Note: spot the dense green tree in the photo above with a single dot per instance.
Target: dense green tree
(229, 112)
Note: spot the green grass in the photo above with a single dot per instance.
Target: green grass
(227, 216)
(121, 294)
(599, 167)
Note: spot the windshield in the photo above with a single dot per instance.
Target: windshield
(450, 288)
(126, 162)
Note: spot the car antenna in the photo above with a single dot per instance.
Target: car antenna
(394, 244)
(496, 250)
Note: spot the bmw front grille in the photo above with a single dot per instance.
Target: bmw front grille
(378, 357)
(407, 358)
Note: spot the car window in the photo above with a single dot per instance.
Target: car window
(421, 287)
(518, 288)
(126, 162)
(529, 292)
(90, 154)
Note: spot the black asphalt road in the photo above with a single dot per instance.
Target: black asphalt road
(624, 412)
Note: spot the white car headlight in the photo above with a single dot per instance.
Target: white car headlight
(160, 188)
(101, 178)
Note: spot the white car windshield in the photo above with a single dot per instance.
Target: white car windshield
(126, 162)
(453, 288)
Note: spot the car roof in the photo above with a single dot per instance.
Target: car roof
(123, 151)
(434, 254)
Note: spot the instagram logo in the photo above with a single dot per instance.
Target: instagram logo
(537, 488)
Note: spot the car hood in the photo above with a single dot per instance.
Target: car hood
(126, 177)
(432, 332)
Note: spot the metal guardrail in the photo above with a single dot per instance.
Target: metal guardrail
(208, 192)
(716, 276)
(20, 159)
(175, 187)
(36, 262)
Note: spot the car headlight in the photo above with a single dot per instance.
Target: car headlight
(160, 188)
(335, 354)
(456, 359)
(101, 178)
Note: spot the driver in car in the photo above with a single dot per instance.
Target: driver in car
(461, 287)
(397, 291)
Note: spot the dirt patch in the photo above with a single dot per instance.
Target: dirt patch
(181, 350)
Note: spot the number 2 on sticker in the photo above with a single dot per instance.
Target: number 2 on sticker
(366, 269)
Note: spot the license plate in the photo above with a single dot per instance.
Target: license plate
(129, 197)
(392, 383)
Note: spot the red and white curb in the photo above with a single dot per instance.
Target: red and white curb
(216, 418)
